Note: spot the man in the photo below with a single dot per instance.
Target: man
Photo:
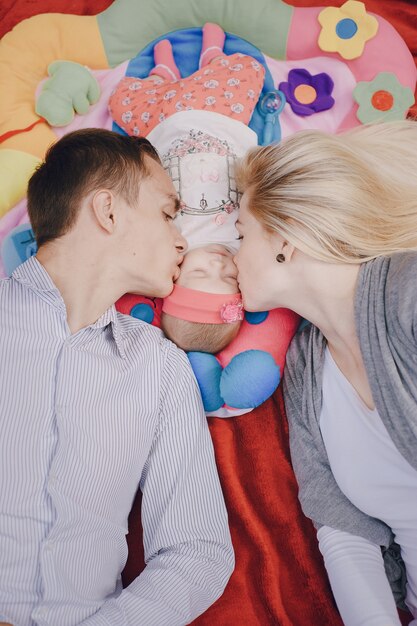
(94, 403)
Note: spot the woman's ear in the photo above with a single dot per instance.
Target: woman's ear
(288, 250)
(104, 210)
(281, 247)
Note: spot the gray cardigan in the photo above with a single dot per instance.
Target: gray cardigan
(386, 324)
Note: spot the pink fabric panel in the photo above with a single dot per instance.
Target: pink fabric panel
(344, 83)
(386, 52)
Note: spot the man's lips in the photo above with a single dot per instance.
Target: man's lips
(178, 269)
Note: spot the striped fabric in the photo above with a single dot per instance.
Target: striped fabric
(85, 419)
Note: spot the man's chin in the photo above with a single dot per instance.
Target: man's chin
(156, 291)
(164, 290)
(166, 293)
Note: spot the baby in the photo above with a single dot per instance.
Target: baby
(204, 311)
(199, 127)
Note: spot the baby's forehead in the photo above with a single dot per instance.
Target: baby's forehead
(194, 256)
(206, 247)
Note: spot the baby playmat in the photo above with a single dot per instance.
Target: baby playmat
(334, 67)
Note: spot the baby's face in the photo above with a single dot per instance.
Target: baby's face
(209, 268)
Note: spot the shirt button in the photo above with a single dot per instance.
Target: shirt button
(40, 613)
(48, 546)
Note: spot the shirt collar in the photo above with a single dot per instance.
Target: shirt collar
(34, 275)
(110, 317)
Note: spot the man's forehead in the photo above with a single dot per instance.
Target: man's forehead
(163, 195)
(160, 180)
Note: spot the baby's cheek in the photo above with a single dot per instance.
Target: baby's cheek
(182, 280)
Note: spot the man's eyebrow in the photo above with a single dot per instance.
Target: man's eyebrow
(174, 198)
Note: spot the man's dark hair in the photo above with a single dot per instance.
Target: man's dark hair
(76, 165)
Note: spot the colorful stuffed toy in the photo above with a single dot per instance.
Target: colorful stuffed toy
(70, 89)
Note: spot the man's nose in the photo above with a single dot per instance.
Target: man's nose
(181, 243)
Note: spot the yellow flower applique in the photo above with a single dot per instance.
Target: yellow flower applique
(346, 29)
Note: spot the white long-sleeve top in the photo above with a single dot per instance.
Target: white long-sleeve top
(378, 480)
(199, 150)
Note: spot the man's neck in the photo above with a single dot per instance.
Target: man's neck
(85, 283)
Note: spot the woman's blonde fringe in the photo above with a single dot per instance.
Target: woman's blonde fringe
(340, 198)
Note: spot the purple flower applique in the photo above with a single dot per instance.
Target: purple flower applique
(308, 94)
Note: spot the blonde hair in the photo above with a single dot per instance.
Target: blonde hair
(198, 337)
(339, 198)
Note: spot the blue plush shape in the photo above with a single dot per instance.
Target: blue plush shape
(207, 371)
(143, 312)
(17, 247)
(256, 317)
(249, 379)
(186, 44)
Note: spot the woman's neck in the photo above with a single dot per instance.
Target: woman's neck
(328, 301)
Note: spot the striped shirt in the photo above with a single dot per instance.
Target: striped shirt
(85, 419)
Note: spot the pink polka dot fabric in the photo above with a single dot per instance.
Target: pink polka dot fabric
(229, 85)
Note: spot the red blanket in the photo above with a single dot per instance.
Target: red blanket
(279, 577)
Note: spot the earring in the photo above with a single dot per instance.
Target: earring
(280, 258)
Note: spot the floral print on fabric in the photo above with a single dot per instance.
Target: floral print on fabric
(229, 85)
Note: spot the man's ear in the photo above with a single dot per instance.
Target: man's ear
(104, 209)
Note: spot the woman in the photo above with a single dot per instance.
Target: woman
(329, 229)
